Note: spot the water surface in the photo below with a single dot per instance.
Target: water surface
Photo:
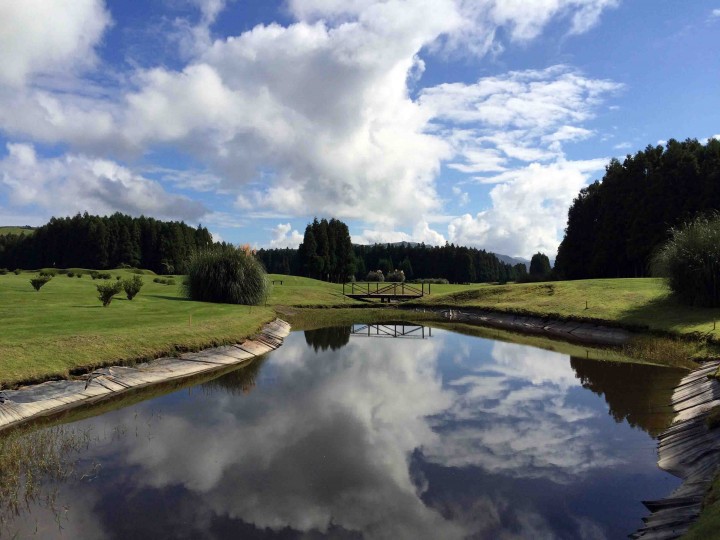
(343, 436)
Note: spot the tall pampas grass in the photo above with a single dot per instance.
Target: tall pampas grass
(226, 274)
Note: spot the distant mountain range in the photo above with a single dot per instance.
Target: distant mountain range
(513, 260)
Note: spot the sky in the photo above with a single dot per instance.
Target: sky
(474, 122)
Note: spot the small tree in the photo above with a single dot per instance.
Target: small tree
(396, 275)
(132, 286)
(39, 281)
(539, 266)
(107, 290)
(375, 275)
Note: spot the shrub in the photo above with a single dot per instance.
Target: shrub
(70, 274)
(132, 286)
(78, 275)
(157, 280)
(170, 282)
(690, 261)
(3, 271)
(396, 275)
(107, 290)
(375, 275)
(223, 273)
(432, 281)
(39, 281)
(118, 278)
(17, 271)
(94, 274)
(48, 273)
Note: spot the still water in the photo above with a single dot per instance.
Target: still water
(343, 436)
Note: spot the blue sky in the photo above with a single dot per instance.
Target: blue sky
(474, 122)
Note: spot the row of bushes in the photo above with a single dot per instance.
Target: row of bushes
(164, 281)
(395, 276)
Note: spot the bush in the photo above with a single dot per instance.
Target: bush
(78, 275)
(70, 274)
(118, 278)
(375, 275)
(3, 271)
(223, 273)
(17, 271)
(94, 274)
(432, 281)
(396, 276)
(170, 282)
(39, 281)
(132, 286)
(48, 273)
(690, 261)
(107, 290)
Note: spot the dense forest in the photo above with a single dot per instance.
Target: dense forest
(615, 224)
(85, 241)
(327, 253)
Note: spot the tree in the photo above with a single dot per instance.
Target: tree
(539, 266)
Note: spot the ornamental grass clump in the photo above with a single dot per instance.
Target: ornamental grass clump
(107, 290)
(226, 274)
(690, 261)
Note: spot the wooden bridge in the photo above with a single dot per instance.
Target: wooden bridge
(386, 292)
(412, 331)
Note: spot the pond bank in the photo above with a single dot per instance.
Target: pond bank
(689, 449)
(24, 404)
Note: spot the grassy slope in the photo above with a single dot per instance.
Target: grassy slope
(64, 326)
(634, 302)
(15, 230)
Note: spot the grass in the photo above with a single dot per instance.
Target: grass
(643, 303)
(16, 230)
(64, 327)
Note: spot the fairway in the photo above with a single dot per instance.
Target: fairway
(640, 302)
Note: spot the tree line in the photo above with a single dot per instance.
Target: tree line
(87, 241)
(617, 223)
(327, 253)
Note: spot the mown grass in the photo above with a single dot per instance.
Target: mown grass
(634, 302)
(64, 327)
(15, 230)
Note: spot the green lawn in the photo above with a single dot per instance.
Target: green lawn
(642, 302)
(64, 326)
(15, 230)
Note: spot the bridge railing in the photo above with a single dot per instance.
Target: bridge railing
(379, 288)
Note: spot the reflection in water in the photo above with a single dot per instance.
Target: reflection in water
(636, 393)
(452, 437)
(333, 338)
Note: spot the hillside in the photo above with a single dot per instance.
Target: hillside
(10, 229)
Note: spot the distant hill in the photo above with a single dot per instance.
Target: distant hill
(16, 230)
(513, 260)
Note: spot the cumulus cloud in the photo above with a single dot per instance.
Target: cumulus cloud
(529, 208)
(74, 183)
(283, 236)
(38, 37)
(314, 117)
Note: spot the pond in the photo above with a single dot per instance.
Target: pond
(344, 435)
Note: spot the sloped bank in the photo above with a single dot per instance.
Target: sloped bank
(577, 332)
(689, 449)
(27, 403)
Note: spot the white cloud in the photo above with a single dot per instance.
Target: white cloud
(314, 117)
(529, 208)
(715, 13)
(421, 233)
(75, 183)
(39, 37)
(284, 237)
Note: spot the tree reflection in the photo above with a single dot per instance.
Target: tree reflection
(238, 381)
(333, 338)
(637, 393)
